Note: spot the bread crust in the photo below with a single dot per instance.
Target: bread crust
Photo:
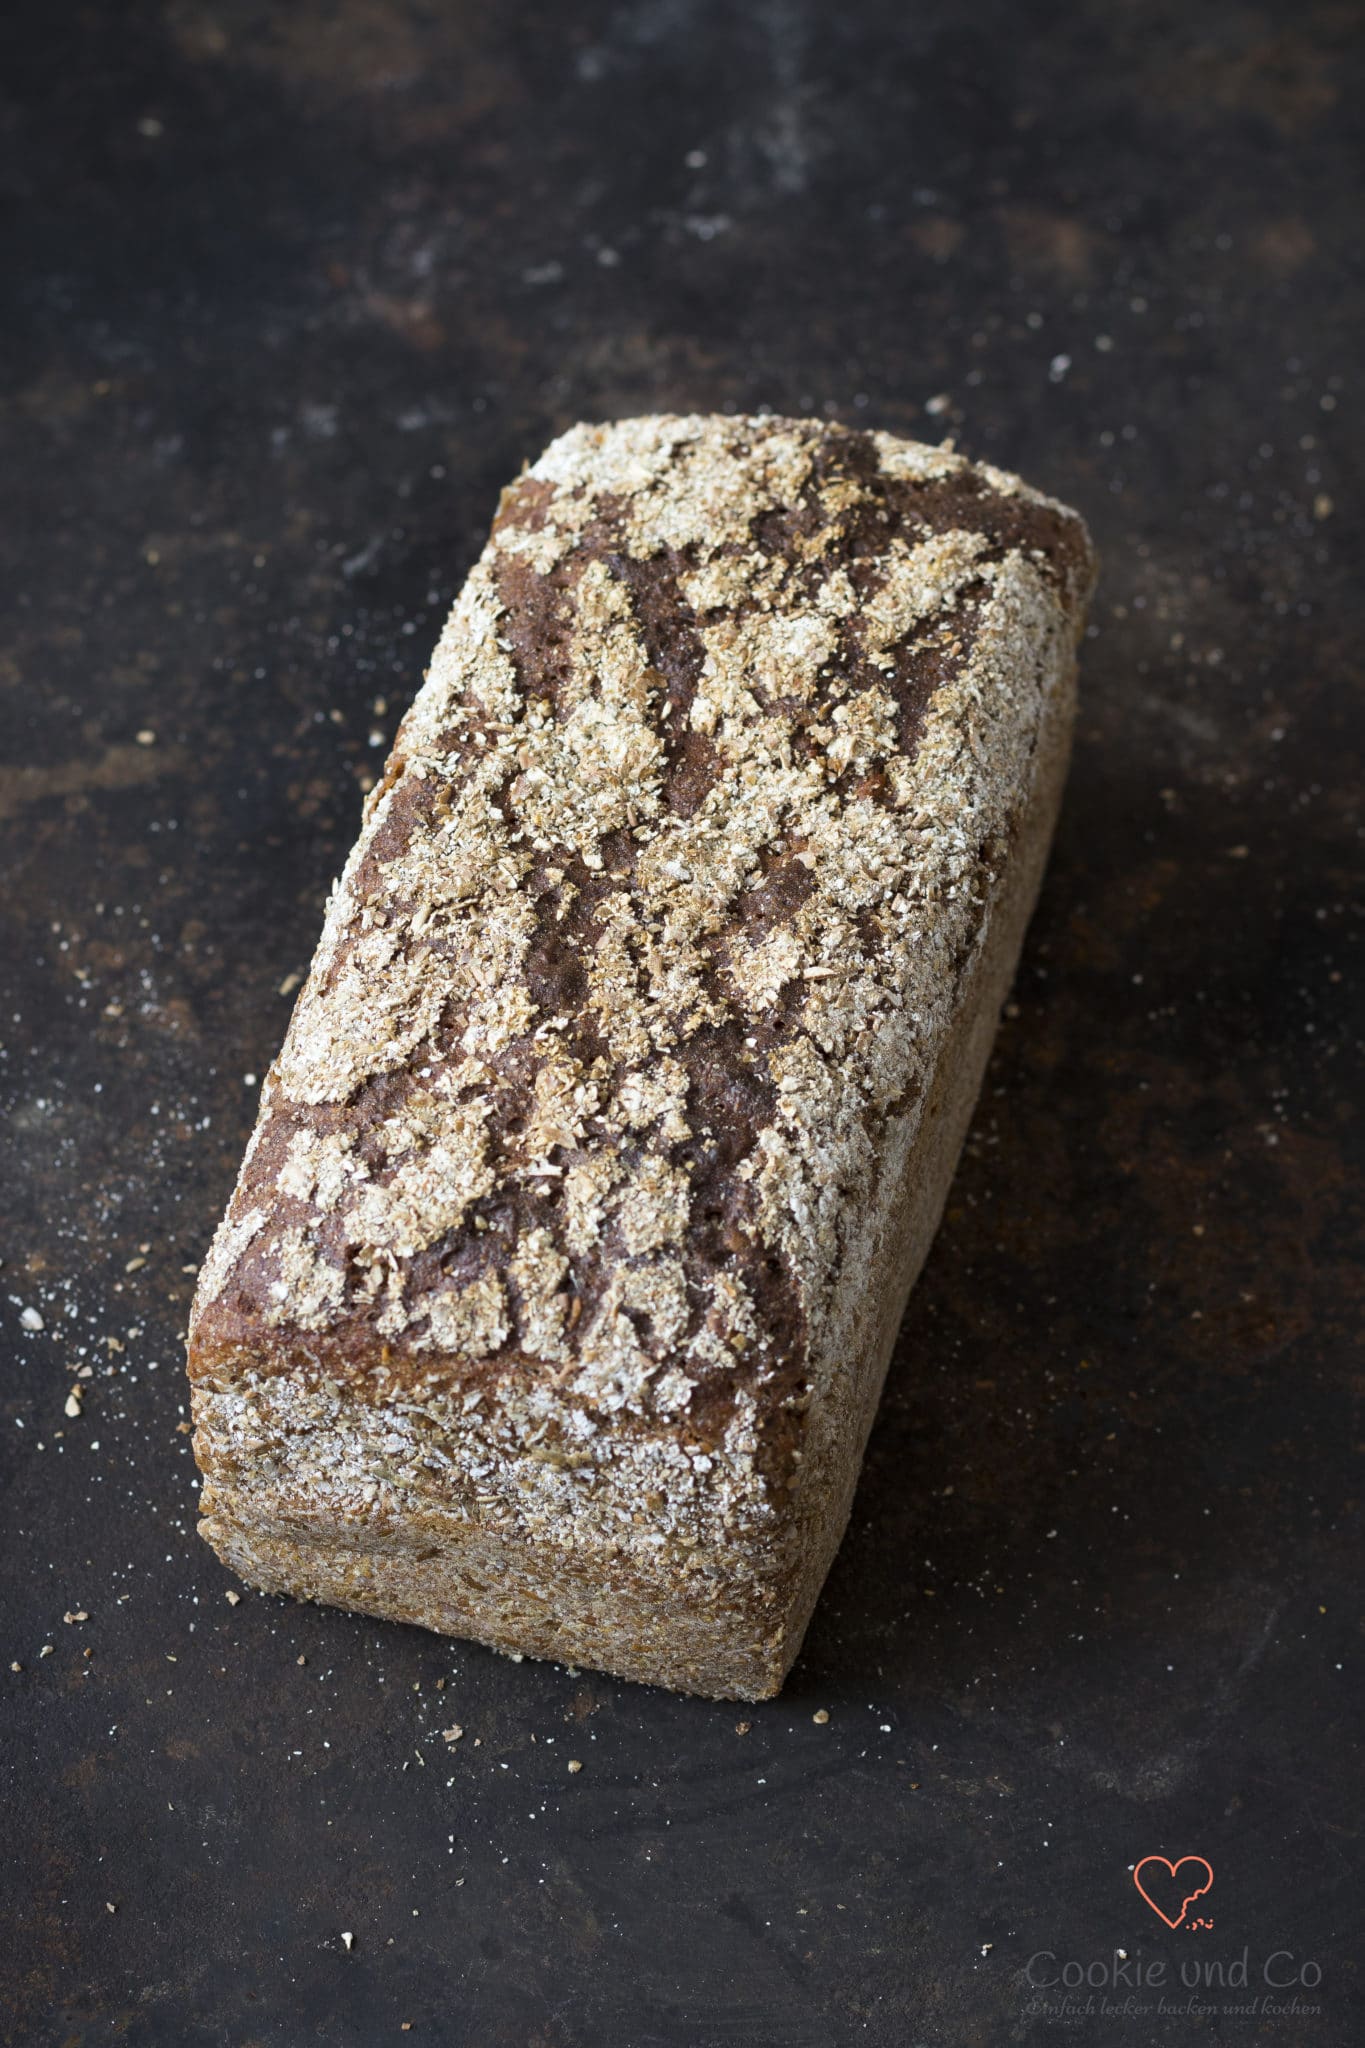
(618, 1110)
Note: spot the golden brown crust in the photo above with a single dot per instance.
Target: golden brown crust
(629, 1000)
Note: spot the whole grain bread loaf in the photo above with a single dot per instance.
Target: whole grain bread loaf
(616, 1115)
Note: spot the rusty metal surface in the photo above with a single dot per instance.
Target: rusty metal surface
(292, 292)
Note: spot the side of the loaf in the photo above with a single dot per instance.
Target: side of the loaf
(618, 1109)
(921, 1158)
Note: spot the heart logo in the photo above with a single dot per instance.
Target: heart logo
(1177, 1883)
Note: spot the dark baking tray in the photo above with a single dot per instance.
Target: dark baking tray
(292, 292)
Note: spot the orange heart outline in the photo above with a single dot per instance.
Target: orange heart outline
(1179, 1864)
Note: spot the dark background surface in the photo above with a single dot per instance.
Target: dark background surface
(292, 291)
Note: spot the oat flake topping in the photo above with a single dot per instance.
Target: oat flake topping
(651, 936)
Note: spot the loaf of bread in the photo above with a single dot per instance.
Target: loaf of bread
(614, 1120)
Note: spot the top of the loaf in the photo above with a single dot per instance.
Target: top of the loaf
(654, 922)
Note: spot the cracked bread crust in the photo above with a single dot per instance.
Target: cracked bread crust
(562, 1234)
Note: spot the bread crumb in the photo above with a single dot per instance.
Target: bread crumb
(820, 1716)
(233, 1599)
(574, 1764)
(348, 1942)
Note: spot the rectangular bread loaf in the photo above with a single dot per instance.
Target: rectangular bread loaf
(614, 1120)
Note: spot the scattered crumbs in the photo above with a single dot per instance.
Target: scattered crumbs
(46, 1650)
(16, 1667)
(233, 1599)
(743, 1727)
(75, 1614)
(986, 1947)
(289, 984)
(348, 1942)
(73, 1403)
(574, 1765)
(300, 1660)
(109, 1906)
(820, 1716)
(453, 1733)
(147, 738)
(29, 1319)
